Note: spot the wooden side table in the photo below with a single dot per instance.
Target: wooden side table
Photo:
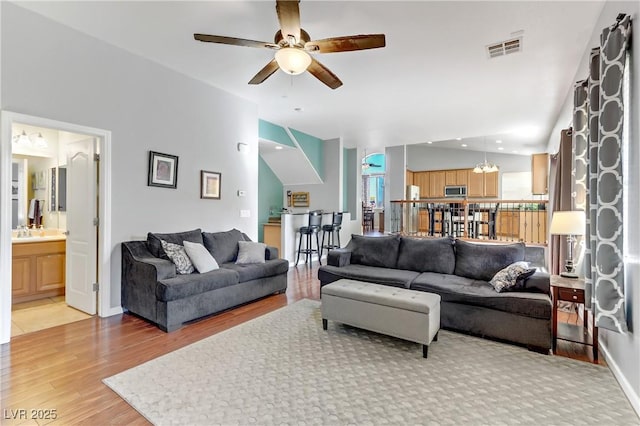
(572, 290)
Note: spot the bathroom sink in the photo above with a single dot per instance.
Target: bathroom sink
(33, 239)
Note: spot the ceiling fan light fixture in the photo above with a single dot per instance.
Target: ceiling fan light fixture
(292, 60)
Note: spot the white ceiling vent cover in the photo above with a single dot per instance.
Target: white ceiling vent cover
(504, 47)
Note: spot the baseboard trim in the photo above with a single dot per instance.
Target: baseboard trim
(112, 311)
(629, 392)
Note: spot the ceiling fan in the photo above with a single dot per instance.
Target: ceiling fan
(293, 46)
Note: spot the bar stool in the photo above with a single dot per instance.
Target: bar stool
(313, 228)
(334, 230)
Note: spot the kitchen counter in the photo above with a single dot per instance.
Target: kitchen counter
(291, 222)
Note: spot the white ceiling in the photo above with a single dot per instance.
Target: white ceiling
(432, 82)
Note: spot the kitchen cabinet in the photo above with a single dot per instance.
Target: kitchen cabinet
(522, 225)
(421, 179)
(491, 184)
(437, 181)
(455, 177)
(271, 235)
(482, 185)
(409, 178)
(540, 174)
(38, 270)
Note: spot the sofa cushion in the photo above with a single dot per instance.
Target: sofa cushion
(223, 246)
(483, 261)
(250, 252)
(372, 274)
(374, 251)
(467, 291)
(155, 246)
(252, 271)
(178, 256)
(183, 286)
(513, 275)
(427, 255)
(200, 257)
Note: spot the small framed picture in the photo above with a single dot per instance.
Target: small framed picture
(163, 170)
(210, 184)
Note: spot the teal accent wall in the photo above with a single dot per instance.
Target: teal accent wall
(313, 149)
(270, 194)
(274, 133)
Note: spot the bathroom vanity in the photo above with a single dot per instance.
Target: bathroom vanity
(38, 267)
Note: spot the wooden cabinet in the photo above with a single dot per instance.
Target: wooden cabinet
(455, 177)
(432, 183)
(421, 179)
(540, 174)
(491, 184)
(423, 220)
(409, 178)
(475, 186)
(522, 225)
(271, 236)
(436, 184)
(38, 270)
(482, 185)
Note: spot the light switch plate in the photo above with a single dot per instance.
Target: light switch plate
(245, 213)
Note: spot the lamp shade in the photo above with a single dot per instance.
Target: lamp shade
(293, 61)
(567, 223)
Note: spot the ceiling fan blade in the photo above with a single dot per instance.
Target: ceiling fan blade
(234, 41)
(265, 72)
(323, 74)
(346, 43)
(289, 18)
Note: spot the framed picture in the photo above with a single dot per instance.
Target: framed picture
(163, 170)
(210, 184)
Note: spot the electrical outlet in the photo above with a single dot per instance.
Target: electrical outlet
(245, 213)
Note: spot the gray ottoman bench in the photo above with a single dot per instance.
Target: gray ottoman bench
(398, 312)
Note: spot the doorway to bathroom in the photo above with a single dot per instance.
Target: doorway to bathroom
(57, 242)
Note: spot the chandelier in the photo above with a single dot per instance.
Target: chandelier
(485, 166)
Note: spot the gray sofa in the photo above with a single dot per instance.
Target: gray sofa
(459, 272)
(152, 289)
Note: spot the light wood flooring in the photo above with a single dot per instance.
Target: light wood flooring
(44, 313)
(61, 368)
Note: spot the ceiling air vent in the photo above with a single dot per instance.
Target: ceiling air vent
(504, 47)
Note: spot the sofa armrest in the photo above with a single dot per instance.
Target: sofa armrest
(539, 282)
(271, 253)
(140, 274)
(339, 257)
(136, 252)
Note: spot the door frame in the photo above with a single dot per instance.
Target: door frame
(7, 118)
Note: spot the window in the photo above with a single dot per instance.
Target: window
(373, 169)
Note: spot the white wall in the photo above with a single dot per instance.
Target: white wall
(423, 157)
(325, 196)
(395, 187)
(623, 351)
(146, 107)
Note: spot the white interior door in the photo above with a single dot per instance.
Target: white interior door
(82, 230)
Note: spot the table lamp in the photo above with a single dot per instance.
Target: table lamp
(569, 223)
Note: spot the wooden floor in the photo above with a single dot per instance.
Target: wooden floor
(61, 369)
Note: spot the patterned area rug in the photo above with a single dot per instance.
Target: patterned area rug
(282, 368)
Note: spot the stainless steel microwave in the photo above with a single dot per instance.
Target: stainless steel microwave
(455, 191)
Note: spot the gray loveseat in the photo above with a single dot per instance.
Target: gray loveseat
(459, 272)
(152, 289)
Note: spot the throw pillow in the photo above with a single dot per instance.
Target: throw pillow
(200, 257)
(507, 278)
(178, 256)
(250, 252)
